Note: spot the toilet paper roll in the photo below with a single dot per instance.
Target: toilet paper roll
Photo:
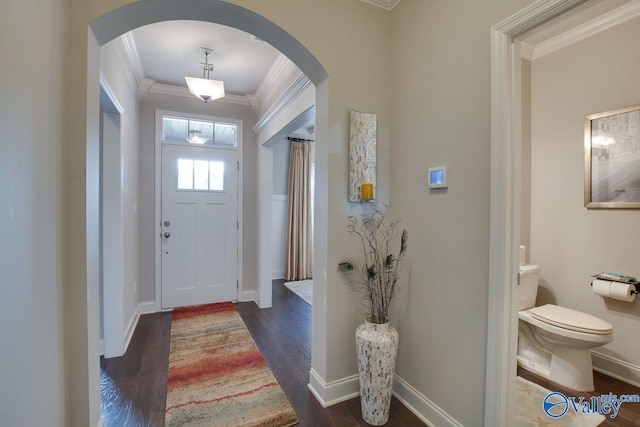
(602, 287)
(622, 291)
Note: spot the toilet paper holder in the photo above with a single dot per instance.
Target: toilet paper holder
(614, 277)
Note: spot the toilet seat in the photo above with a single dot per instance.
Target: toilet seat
(573, 320)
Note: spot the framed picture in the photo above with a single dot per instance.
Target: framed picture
(612, 159)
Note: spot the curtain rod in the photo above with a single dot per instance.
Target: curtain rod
(299, 139)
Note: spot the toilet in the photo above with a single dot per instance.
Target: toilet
(554, 342)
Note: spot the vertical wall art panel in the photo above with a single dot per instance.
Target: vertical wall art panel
(363, 154)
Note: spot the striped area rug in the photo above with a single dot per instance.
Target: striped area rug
(217, 376)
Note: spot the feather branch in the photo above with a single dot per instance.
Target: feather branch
(376, 275)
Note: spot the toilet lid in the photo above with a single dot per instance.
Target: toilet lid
(571, 319)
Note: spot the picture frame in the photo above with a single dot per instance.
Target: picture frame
(612, 159)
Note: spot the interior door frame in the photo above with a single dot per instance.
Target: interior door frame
(114, 340)
(506, 142)
(158, 196)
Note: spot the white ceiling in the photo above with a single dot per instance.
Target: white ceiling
(170, 50)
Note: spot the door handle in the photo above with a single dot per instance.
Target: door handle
(167, 234)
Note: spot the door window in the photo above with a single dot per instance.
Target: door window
(200, 175)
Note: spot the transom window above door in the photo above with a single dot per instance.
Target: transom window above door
(199, 132)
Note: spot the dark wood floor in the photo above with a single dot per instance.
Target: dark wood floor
(629, 414)
(134, 386)
(283, 335)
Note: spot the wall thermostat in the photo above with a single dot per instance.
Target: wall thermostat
(438, 177)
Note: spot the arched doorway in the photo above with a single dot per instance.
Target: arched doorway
(84, 383)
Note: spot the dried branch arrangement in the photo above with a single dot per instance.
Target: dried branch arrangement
(376, 275)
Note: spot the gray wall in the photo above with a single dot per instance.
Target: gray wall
(31, 213)
(569, 242)
(148, 107)
(441, 105)
(281, 155)
(438, 102)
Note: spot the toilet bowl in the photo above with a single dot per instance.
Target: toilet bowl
(554, 342)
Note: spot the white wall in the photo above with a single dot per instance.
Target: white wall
(281, 152)
(278, 235)
(192, 105)
(117, 73)
(441, 113)
(569, 242)
(32, 373)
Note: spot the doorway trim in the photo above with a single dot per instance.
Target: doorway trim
(506, 144)
(158, 195)
(115, 338)
(94, 30)
(265, 186)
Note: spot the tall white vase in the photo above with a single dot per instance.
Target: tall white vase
(377, 346)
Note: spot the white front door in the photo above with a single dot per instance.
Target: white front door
(199, 225)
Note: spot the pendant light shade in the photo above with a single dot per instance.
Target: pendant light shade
(205, 88)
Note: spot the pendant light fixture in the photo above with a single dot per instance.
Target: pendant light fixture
(205, 88)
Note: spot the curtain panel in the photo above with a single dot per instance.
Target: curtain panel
(299, 255)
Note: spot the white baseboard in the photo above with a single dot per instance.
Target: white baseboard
(133, 322)
(147, 307)
(616, 368)
(277, 274)
(101, 344)
(248, 296)
(144, 307)
(420, 405)
(333, 392)
(101, 422)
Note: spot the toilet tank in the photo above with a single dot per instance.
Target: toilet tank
(528, 286)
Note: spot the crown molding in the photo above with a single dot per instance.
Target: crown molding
(129, 73)
(253, 102)
(135, 64)
(382, 4)
(145, 87)
(292, 92)
(235, 99)
(604, 22)
(272, 76)
(172, 90)
(131, 50)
